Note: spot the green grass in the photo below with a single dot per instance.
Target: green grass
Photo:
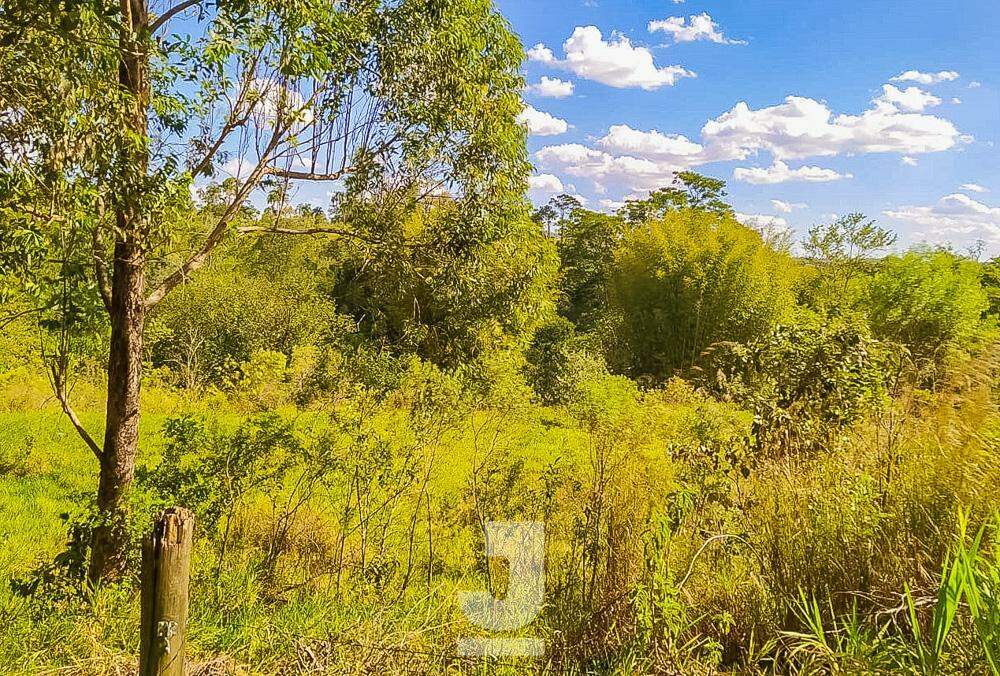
(812, 535)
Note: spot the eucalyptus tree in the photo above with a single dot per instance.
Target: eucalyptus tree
(111, 110)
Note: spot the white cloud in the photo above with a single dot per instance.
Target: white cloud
(616, 63)
(611, 205)
(623, 140)
(955, 218)
(761, 219)
(541, 53)
(956, 101)
(911, 99)
(975, 84)
(601, 167)
(973, 187)
(802, 127)
(908, 161)
(551, 87)
(268, 100)
(779, 172)
(694, 28)
(545, 183)
(787, 207)
(926, 78)
(239, 167)
(629, 159)
(540, 123)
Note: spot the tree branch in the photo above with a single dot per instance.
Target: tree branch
(319, 230)
(305, 175)
(101, 271)
(197, 260)
(10, 319)
(171, 13)
(59, 386)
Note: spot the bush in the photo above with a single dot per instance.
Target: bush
(558, 362)
(241, 304)
(690, 280)
(805, 382)
(928, 300)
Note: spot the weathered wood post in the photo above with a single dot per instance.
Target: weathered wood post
(166, 561)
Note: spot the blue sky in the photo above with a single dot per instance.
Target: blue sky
(659, 85)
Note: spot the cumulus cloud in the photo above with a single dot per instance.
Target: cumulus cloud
(540, 123)
(908, 161)
(624, 140)
(551, 87)
(631, 159)
(694, 28)
(954, 218)
(601, 167)
(787, 207)
(270, 100)
(975, 84)
(926, 78)
(911, 99)
(973, 187)
(779, 172)
(545, 183)
(803, 127)
(761, 219)
(239, 167)
(541, 53)
(616, 62)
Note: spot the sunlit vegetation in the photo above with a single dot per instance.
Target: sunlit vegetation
(749, 457)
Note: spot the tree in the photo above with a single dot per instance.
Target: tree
(587, 244)
(109, 113)
(441, 295)
(689, 190)
(687, 281)
(555, 212)
(928, 300)
(991, 284)
(845, 250)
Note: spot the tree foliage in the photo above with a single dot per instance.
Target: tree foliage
(806, 381)
(928, 300)
(587, 244)
(689, 190)
(689, 280)
(845, 251)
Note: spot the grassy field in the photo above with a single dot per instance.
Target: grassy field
(690, 565)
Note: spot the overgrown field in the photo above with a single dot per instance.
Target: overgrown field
(337, 538)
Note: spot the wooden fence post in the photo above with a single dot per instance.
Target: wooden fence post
(166, 561)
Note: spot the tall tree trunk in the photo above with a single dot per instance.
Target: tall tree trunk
(128, 306)
(121, 433)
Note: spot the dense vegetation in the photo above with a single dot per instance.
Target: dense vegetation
(747, 456)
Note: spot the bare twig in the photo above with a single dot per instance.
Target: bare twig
(171, 13)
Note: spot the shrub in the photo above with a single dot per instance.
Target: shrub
(558, 362)
(689, 280)
(805, 382)
(241, 304)
(928, 300)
